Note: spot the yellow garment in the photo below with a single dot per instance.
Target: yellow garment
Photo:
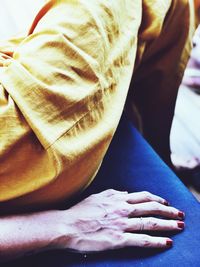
(64, 88)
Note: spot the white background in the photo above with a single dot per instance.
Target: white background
(16, 16)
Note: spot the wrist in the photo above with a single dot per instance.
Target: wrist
(63, 230)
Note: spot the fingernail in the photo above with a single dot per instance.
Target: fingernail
(181, 215)
(181, 225)
(169, 242)
(166, 203)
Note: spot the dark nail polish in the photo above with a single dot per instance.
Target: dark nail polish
(181, 215)
(169, 243)
(166, 203)
(181, 225)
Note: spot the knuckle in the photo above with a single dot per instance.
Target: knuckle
(153, 223)
(111, 192)
(147, 195)
(155, 206)
(115, 236)
(145, 241)
(121, 223)
(172, 212)
(123, 211)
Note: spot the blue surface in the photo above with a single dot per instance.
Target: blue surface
(132, 165)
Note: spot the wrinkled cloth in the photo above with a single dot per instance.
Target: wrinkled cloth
(65, 84)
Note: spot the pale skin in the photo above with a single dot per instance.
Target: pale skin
(104, 221)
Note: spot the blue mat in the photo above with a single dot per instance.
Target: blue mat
(131, 164)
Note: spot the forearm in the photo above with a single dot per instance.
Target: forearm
(30, 233)
(94, 224)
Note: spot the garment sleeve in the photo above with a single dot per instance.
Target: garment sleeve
(59, 107)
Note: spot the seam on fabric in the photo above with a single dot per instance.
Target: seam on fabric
(74, 125)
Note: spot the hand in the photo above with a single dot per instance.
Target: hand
(113, 219)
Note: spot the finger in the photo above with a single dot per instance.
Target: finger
(152, 224)
(145, 196)
(140, 240)
(155, 208)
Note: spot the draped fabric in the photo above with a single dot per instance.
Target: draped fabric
(64, 85)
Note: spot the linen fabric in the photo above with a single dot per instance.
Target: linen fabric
(63, 88)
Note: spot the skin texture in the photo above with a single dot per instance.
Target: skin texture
(103, 225)
(104, 221)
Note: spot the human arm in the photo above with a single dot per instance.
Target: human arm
(63, 93)
(95, 224)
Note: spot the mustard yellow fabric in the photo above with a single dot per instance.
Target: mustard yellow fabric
(64, 87)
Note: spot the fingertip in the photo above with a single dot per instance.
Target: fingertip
(169, 243)
(181, 225)
(181, 215)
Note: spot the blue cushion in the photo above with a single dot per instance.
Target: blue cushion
(131, 164)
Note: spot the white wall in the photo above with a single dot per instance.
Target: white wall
(17, 15)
